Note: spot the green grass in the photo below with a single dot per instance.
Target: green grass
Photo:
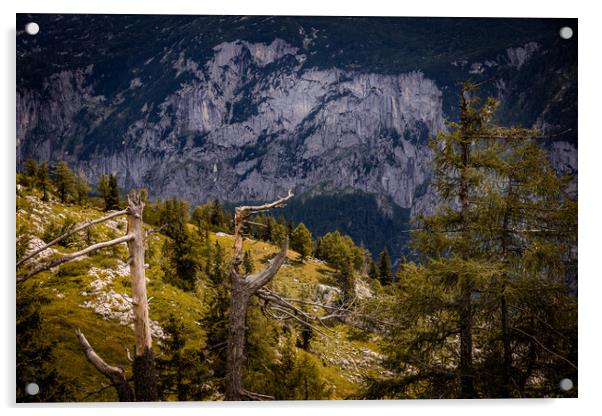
(67, 287)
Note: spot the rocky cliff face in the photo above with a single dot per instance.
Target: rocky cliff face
(200, 111)
(250, 123)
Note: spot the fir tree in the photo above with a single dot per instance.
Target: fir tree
(112, 200)
(501, 237)
(183, 369)
(247, 263)
(64, 181)
(217, 215)
(181, 255)
(301, 241)
(35, 353)
(82, 188)
(43, 180)
(30, 172)
(373, 270)
(385, 273)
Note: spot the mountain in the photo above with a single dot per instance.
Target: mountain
(245, 107)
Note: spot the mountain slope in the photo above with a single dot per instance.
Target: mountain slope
(93, 294)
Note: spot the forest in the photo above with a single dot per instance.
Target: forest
(123, 298)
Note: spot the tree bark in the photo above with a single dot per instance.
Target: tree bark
(243, 287)
(116, 375)
(467, 390)
(237, 328)
(145, 374)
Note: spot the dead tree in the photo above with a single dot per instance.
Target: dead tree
(145, 375)
(243, 287)
(116, 375)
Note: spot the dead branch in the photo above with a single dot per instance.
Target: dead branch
(127, 352)
(253, 209)
(71, 232)
(71, 256)
(538, 342)
(116, 375)
(154, 230)
(255, 396)
(258, 224)
(257, 280)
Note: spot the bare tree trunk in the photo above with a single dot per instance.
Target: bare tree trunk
(116, 375)
(465, 301)
(243, 287)
(237, 328)
(506, 387)
(145, 374)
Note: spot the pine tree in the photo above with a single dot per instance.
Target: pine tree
(181, 252)
(494, 257)
(301, 241)
(43, 180)
(82, 188)
(217, 215)
(183, 369)
(247, 263)
(218, 269)
(64, 181)
(385, 273)
(373, 269)
(35, 353)
(112, 201)
(30, 172)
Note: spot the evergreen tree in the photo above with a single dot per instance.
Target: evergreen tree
(301, 241)
(502, 236)
(385, 273)
(64, 181)
(373, 270)
(82, 188)
(218, 269)
(217, 215)
(30, 173)
(278, 232)
(183, 369)
(181, 256)
(216, 319)
(247, 263)
(43, 180)
(112, 200)
(337, 249)
(36, 361)
(201, 217)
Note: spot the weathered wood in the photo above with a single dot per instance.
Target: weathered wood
(71, 256)
(243, 287)
(145, 375)
(115, 375)
(77, 229)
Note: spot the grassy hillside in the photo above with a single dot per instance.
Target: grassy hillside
(93, 292)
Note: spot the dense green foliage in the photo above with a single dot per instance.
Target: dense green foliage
(109, 190)
(35, 351)
(375, 224)
(487, 313)
(301, 241)
(483, 309)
